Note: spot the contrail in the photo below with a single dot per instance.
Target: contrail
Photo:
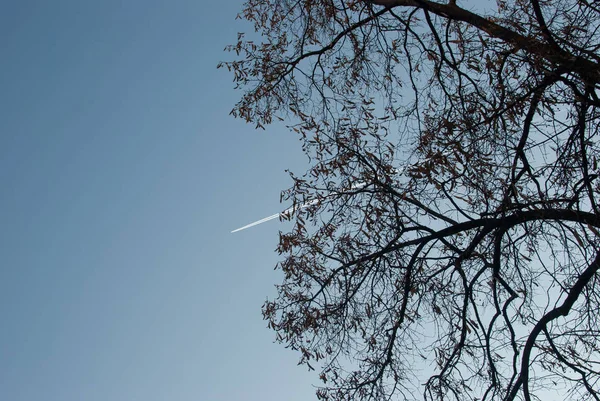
(290, 210)
(287, 212)
(274, 216)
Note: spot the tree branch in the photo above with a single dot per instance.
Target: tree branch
(584, 278)
(588, 70)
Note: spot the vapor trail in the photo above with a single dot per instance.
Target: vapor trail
(289, 211)
(274, 216)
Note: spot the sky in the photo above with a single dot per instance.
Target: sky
(122, 175)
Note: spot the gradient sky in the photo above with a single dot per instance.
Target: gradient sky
(122, 175)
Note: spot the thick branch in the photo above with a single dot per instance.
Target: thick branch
(488, 225)
(586, 69)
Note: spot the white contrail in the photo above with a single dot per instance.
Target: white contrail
(287, 212)
(258, 222)
(290, 210)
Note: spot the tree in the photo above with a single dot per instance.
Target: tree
(451, 246)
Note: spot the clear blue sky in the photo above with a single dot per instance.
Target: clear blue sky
(121, 176)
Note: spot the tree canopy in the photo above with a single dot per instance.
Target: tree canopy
(450, 246)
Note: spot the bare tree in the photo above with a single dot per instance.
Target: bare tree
(452, 244)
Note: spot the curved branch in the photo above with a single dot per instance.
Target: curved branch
(584, 278)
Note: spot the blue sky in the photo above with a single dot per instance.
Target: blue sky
(122, 175)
